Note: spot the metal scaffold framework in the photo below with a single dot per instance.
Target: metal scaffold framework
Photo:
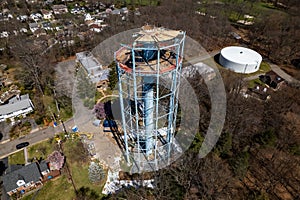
(149, 77)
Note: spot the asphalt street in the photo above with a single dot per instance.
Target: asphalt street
(9, 147)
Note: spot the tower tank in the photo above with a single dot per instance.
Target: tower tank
(149, 76)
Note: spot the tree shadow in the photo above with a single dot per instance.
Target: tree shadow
(3, 165)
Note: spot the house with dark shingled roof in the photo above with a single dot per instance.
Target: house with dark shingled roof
(29, 177)
(23, 180)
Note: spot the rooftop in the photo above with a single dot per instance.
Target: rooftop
(241, 55)
(15, 104)
(27, 173)
(89, 62)
(150, 44)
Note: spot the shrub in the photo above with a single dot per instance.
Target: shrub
(96, 173)
(240, 164)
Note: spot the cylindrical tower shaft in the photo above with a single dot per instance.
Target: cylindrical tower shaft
(148, 112)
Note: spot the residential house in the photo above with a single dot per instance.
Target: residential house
(102, 82)
(23, 180)
(258, 92)
(17, 106)
(272, 80)
(49, 2)
(91, 65)
(47, 15)
(46, 171)
(116, 12)
(95, 28)
(23, 30)
(4, 34)
(40, 32)
(78, 10)
(32, 1)
(33, 27)
(22, 18)
(124, 10)
(36, 17)
(13, 91)
(59, 9)
(88, 17)
(47, 26)
(5, 16)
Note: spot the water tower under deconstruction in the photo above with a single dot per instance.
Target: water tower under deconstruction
(149, 76)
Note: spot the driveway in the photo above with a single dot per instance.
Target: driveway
(107, 150)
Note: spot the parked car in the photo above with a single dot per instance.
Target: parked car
(22, 145)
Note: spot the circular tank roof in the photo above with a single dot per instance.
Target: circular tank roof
(241, 55)
(150, 33)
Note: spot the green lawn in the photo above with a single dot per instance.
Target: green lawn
(78, 170)
(81, 177)
(254, 82)
(50, 105)
(40, 150)
(17, 158)
(57, 189)
(61, 188)
(143, 2)
(264, 67)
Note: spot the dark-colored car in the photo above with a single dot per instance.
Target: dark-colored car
(22, 145)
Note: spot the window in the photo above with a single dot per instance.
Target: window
(27, 184)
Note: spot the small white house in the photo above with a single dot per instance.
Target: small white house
(33, 27)
(60, 9)
(47, 14)
(17, 106)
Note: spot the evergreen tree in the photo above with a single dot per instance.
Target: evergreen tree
(96, 173)
(113, 76)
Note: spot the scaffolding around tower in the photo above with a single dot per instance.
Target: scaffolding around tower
(149, 77)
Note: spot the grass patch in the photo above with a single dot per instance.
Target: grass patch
(143, 2)
(81, 177)
(41, 150)
(254, 82)
(268, 5)
(264, 67)
(17, 158)
(65, 109)
(27, 197)
(61, 188)
(79, 167)
(57, 189)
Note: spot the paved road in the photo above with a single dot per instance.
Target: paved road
(35, 137)
(278, 71)
(284, 75)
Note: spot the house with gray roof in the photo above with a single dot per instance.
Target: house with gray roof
(60, 9)
(16, 106)
(91, 65)
(23, 180)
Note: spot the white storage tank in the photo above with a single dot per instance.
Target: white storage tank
(240, 59)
